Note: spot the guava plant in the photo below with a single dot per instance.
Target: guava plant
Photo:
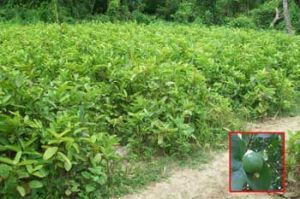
(256, 162)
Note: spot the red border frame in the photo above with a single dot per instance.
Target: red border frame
(283, 161)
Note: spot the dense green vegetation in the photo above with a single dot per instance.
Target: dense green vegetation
(71, 95)
(293, 161)
(236, 13)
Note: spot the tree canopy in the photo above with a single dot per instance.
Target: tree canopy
(237, 13)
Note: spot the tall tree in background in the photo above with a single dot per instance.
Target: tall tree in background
(287, 19)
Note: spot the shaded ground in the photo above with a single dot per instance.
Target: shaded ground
(210, 181)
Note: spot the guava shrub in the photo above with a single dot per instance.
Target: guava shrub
(67, 102)
(71, 94)
(293, 162)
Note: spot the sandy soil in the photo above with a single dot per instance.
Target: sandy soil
(210, 181)
(280, 124)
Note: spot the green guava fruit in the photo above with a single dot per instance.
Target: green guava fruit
(252, 161)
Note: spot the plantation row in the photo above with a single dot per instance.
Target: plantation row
(69, 95)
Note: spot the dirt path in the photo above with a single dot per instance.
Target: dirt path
(210, 181)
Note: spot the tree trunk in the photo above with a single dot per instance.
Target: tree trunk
(288, 23)
(276, 18)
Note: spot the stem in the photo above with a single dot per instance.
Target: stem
(287, 19)
(250, 142)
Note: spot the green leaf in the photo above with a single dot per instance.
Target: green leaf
(49, 153)
(260, 181)
(40, 173)
(5, 170)
(67, 162)
(5, 99)
(238, 147)
(10, 148)
(22, 174)
(89, 188)
(236, 165)
(31, 141)
(17, 157)
(238, 179)
(21, 191)
(35, 184)
(8, 124)
(6, 160)
(29, 168)
(27, 162)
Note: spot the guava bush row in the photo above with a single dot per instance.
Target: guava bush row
(69, 95)
(293, 161)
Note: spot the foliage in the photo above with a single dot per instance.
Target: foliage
(293, 158)
(184, 13)
(235, 13)
(264, 14)
(71, 94)
(242, 22)
(113, 7)
(260, 167)
(294, 10)
(140, 17)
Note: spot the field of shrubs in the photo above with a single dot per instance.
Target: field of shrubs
(72, 95)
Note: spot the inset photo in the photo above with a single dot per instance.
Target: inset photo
(257, 162)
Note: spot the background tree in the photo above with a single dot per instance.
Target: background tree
(237, 13)
(287, 19)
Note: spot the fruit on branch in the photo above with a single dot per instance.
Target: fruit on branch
(252, 161)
